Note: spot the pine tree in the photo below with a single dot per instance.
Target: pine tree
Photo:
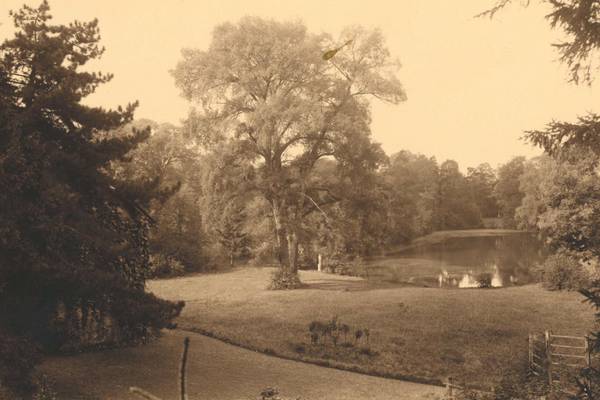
(230, 229)
(72, 237)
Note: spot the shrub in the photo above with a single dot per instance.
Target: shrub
(271, 393)
(284, 279)
(484, 281)
(45, 389)
(367, 351)
(346, 266)
(563, 271)
(335, 330)
(164, 266)
(514, 384)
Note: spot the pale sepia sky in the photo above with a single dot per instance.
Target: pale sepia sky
(473, 85)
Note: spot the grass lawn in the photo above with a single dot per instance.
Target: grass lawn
(469, 334)
(215, 371)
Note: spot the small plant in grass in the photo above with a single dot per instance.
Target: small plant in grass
(45, 389)
(317, 330)
(271, 393)
(345, 329)
(358, 334)
(367, 351)
(314, 338)
(335, 330)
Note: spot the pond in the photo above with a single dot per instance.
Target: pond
(491, 260)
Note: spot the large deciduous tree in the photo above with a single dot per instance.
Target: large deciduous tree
(72, 238)
(289, 100)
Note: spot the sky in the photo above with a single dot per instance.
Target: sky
(473, 84)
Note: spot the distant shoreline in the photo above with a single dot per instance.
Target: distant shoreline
(440, 236)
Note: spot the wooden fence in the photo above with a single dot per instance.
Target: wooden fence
(558, 358)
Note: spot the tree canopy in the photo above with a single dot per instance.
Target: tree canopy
(267, 86)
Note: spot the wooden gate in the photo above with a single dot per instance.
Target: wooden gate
(558, 357)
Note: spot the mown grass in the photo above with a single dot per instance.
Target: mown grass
(416, 333)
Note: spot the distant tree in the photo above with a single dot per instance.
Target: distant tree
(267, 86)
(535, 178)
(454, 208)
(71, 235)
(227, 180)
(413, 182)
(481, 181)
(171, 162)
(230, 229)
(507, 191)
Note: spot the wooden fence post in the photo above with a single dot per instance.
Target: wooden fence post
(548, 357)
(588, 352)
(186, 346)
(530, 347)
(449, 389)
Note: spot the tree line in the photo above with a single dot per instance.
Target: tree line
(215, 219)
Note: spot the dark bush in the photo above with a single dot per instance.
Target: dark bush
(284, 279)
(18, 357)
(485, 281)
(164, 266)
(562, 271)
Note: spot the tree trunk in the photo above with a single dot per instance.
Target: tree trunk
(292, 245)
(280, 232)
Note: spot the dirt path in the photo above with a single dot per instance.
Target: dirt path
(216, 371)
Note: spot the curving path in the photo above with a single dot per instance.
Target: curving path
(216, 370)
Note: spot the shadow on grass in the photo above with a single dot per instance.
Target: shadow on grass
(337, 284)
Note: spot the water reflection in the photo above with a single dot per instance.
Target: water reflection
(464, 262)
(472, 280)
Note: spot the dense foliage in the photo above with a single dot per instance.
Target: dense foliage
(507, 190)
(177, 241)
(73, 240)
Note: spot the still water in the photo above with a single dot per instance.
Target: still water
(463, 262)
